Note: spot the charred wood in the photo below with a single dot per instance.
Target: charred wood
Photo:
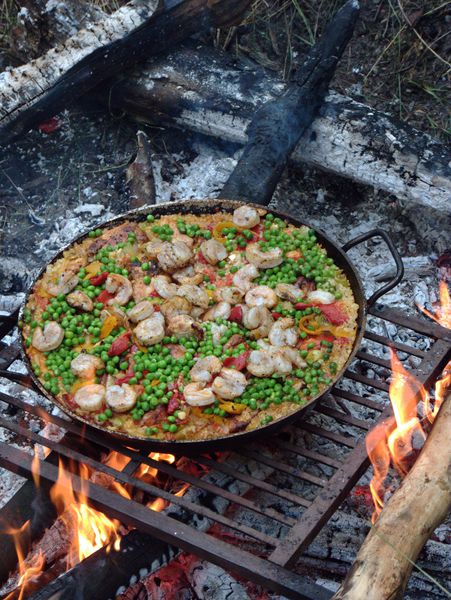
(384, 563)
(34, 92)
(139, 175)
(278, 125)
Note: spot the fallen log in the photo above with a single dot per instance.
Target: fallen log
(386, 558)
(36, 91)
(202, 89)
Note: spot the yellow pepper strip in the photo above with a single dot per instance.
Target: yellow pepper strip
(93, 268)
(107, 327)
(155, 382)
(309, 324)
(218, 229)
(79, 384)
(232, 408)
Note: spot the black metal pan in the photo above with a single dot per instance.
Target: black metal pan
(337, 253)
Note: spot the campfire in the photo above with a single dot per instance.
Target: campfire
(275, 514)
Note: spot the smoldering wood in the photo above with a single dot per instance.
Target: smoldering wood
(36, 91)
(277, 126)
(384, 562)
(204, 90)
(140, 176)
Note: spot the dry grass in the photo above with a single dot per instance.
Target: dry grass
(397, 61)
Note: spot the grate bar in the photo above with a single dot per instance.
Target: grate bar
(421, 325)
(267, 460)
(371, 358)
(330, 435)
(344, 418)
(315, 456)
(357, 399)
(379, 385)
(374, 337)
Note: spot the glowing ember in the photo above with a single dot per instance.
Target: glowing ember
(392, 442)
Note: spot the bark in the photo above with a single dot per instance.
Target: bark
(139, 176)
(384, 563)
(34, 92)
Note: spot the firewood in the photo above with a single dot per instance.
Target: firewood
(139, 176)
(36, 91)
(385, 560)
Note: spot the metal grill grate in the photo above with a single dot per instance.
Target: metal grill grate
(313, 479)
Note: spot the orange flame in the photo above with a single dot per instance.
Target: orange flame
(392, 441)
(28, 569)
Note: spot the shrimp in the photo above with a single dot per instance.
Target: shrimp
(281, 362)
(294, 357)
(232, 295)
(151, 330)
(90, 397)
(153, 248)
(79, 299)
(85, 365)
(246, 216)
(260, 363)
(64, 284)
(261, 295)
(204, 368)
(164, 287)
(230, 384)
(321, 296)
(189, 241)
(182, 325)
(121, 287)
(263, 260)
(288, 291)
(174, 255)
(259, 320)
(49, 338)
(196, 394)
(220, 310)
(243, 278)
(141, 311)
(217, 331)
(283, 333)
(188, 275)
(194, 294)
(117, 312)
(120, 398)
(176, 306)
(213, 251)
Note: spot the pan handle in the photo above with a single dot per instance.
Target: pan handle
(395, 255)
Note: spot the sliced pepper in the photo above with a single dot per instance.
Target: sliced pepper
(236, 314)
(104, 296)
(232, 408)
(239, 362)
(120, 344)
(219, 228)
(311, 325)
(93, 268)
(334, 313)
(108, 325)
(99, 279)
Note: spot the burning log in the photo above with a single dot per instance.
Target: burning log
(384, 562)
(36, 91)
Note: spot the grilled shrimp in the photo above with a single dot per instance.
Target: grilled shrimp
(230, 384)
(293, 355)
(164, 287)
(120, 398)
(121, 287)
(213, 251)
(153, 248)
(151, 330)
(321, 296)
(196, 394)
(217, 331)
(288, 291)
(220, 310)
(194, 294)
(232, 295)
(263, 260)
(246, 216)
(243, 278)
(176, 306)
(204, 368)
(49, 338)
(261, 295)
(140, 311)
(283, 333)
(188, 275)
(79, 299)
(85, 365)
(90, 397)
(259, 320)
(174, 255)
(64, 284)
(281, 362)
(183, 238)
(182, 325)
(260, 363)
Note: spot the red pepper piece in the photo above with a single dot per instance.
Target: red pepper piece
(174, 403)
(239, 362)
(334, 313)
(211, 274)
(236, 314)
(302, 305)
(104, 296)
(99, 279)
(276, 315)
(120, 344)
(201, 258)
